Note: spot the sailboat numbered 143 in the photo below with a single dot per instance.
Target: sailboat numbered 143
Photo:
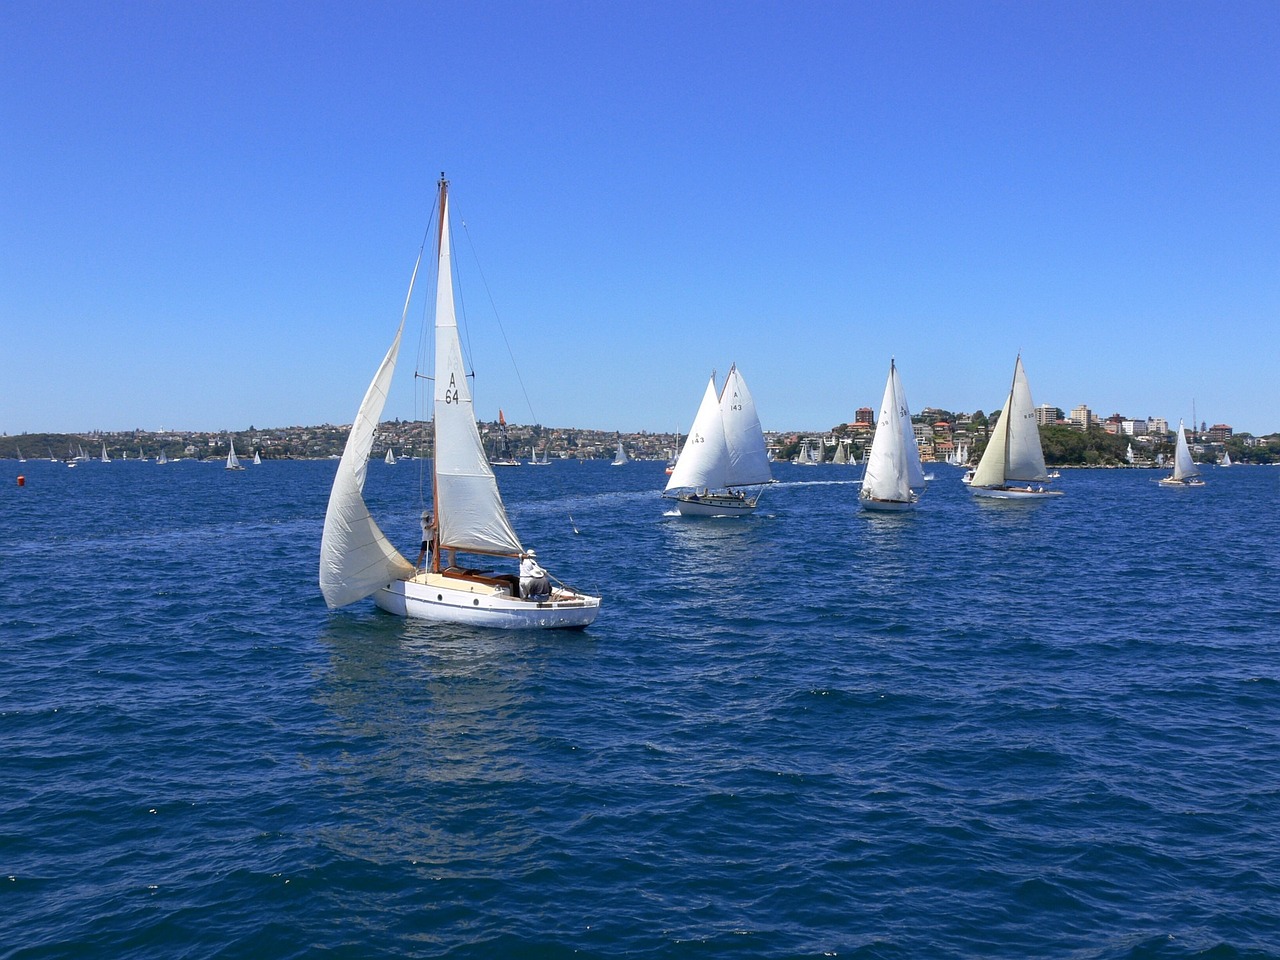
(357, 560)
(723, 453)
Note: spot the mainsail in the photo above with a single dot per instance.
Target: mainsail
(747, 460)
(469, 509)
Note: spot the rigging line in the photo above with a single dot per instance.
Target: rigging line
(501, 328)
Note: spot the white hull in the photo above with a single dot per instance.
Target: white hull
(1170, 482)
(433, 596)
(714, 505)
(1014, 493)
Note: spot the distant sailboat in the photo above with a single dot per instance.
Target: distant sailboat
(1014, 459)
(504, 457)
(233, 462)
(620, 458)
(162, 458)
(842, 456)
(1226, 459)
(533, 458)
(1185, 472)
(257, 460)
(723, 453)
(356, 558)
(1128, 455)
(390, 458)
(894, 477)
(21, 458)
(105, 458)
(675, 456)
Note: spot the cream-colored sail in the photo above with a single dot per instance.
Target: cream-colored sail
(911, 449)
(469, 509)
(356, 558)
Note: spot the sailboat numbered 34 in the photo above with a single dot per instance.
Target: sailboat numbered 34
(357, 560)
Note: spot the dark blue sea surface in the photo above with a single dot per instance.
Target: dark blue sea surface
(985, 730)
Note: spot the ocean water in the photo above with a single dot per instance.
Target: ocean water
(985, 730)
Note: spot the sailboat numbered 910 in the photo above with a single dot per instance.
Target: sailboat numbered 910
(1012, 466)
(894, 477)
(356, 558)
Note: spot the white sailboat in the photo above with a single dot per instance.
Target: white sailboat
(105, 457)
(390, 458)
(1128, 455)
(1014, 460)
(357, 560)
(894, 477)
(675, 457)
(257, 460)
(723, 453)
(233, 462)
(842, 456)
(162, 459)
(620, 458)
(533, 458)
(1185, 472)
(1226, 459)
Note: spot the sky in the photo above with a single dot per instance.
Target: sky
(210, 210)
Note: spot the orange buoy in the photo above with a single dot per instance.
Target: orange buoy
(22, 481)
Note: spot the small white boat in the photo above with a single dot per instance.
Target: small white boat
(1012, 466)
(1185, 472)
(257, 460)
(723, 454)
(468, 516)
(233, 462)
(894, 477)
(620, 458)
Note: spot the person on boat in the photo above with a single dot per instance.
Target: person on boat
(534, 582)
(428, 539)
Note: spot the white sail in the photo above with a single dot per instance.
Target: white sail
(390, 458)
(704, 456)
(233, 462)
(469, 508)
(747, 462)
(1128, 454)
(893, 468)
(1226, 459)
(1184, 467)
(105, 458)
(356, 558)
(256, 459)
(911, 449)
(620, 457)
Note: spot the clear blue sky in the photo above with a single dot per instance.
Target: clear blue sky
(210, 210)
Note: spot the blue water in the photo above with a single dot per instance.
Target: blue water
(987, 730)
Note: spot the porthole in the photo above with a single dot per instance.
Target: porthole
(476, 602)
(439, 596)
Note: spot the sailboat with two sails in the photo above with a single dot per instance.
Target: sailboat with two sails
(1012, 466)
(356, 558)
(894, 477)
(1185, 472)
(723, 456)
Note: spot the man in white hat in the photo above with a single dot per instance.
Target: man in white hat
(534, 582)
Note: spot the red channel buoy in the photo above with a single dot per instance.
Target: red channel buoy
(22, 481)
